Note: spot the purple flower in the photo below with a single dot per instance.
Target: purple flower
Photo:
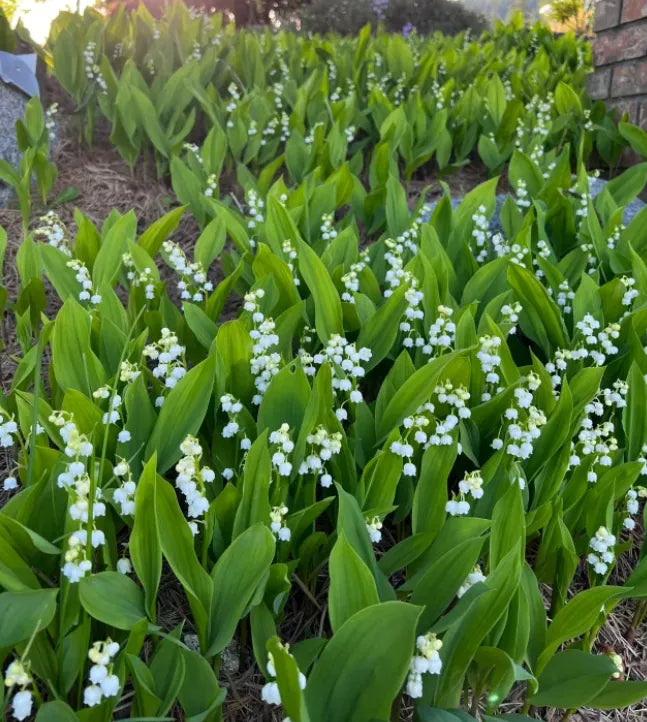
(379, 8)
(408, 29)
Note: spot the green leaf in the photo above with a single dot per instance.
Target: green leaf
(115, 242)
(463, 639)
(618, 694)
(254, 505)
(397, 210)
(356, 679)
(144, 545)
(576, 618)
(544, 320)
(634, 419)
(572, 679)
(235, 577)
(177, 543)
(287, 678)
(436, 587)
(430, 496)
(635, 136)
(24, 613)
(328, 312)
(56, 711)
(75, 364)
(153, 237)
(113, 599)
(352, 586)
(182, 413)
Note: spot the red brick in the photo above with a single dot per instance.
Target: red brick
(625, 106)
(629, 79)
(633, 10)
(598, 83)
(624, 43)
(607, 14)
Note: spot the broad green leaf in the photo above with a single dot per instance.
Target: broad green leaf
(352, 586)
(572, 679)
(144, 544)
(113, 599)
(328, 312)
(356, 679)
(23, 613)
(181, 414)
(235, 577)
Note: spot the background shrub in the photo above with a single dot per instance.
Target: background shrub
(348, 16)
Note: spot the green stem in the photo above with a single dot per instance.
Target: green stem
(95, 478)
(34, 424)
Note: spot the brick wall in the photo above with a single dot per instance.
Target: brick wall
(620, 57)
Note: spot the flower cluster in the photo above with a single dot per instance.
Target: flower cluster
(113, 415)
(136, 278)
(278, 525)
(632, 506)
(395, 257)
(324, 445)
(82, 507)
(124, 495)
(264, 362)
(17, 676)
(51, 228)
(442, 333)
(327, 228)
(351, 280)
(169, 357)
(291, 254)
(490, 360)
(412, 313)
(82, 275)
(92, 70)
(602, 544)
(283, 446)
(193, 284)
(522, 198)
(425, 661)
(212, 185)
(191, 479)
(270, 692)
(347, 362)
(255, 204)
(374, 529)
(232, 407)
(601, 343)
(50, 123)
(481, 234)
(8, 429)
(474, 577)
(103, 681)
(510, 313)
(470, 485)
(525, 421)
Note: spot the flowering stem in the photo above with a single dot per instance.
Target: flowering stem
(95, 478)
(34, 424)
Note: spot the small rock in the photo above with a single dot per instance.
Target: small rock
(12, 108)
(192, 642)
(230, 660)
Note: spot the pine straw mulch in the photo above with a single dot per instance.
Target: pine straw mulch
(104, 182)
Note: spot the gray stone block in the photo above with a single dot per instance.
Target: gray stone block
(12, 108)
